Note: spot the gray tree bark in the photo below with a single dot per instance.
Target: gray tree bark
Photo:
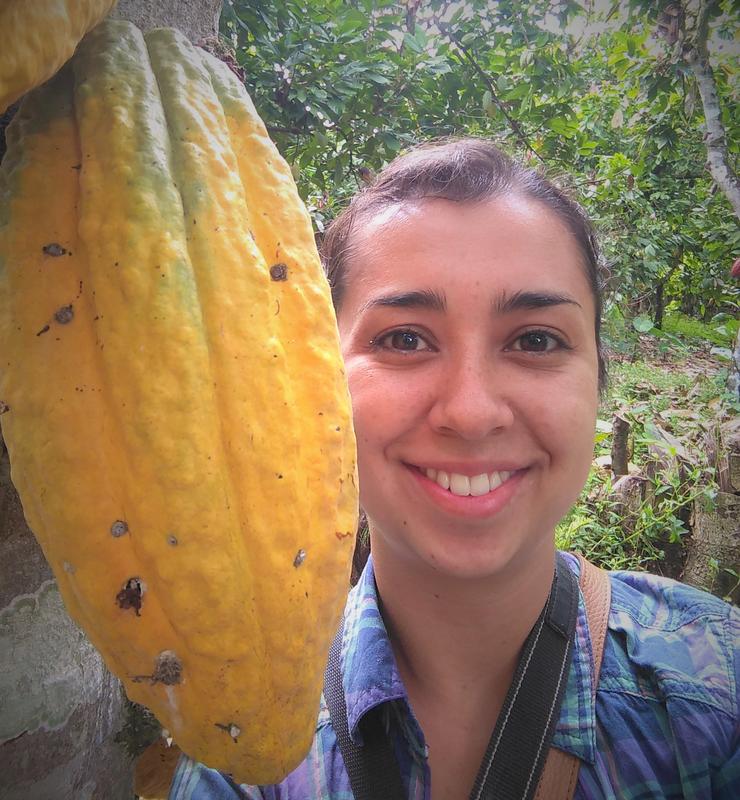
(197, 19)
(697, 57)
(61, 708)
(714, 550)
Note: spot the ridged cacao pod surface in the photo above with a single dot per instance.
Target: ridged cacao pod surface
(175, 406)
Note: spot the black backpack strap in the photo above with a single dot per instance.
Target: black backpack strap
(372, 767)
(521, 739)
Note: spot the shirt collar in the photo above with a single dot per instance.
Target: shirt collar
(370, 675)
(369, 672)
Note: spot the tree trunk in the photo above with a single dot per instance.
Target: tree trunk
(620, 446)
(697, 58)
(197, 19)
(61, 708)
(733, 377)
(62, 711)
(714, 550)
(659, 305)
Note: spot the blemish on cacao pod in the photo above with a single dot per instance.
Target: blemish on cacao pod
(70, 568)
(64, 315)
(168, 669)
(233, 730)
(53, 249)
(172, 540)
(279, 272)
(130, 595)
(4, 407)
(300, 557)
(119, 528)
(43, 330)
(342, 534)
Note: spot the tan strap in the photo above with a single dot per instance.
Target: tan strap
(560, 773)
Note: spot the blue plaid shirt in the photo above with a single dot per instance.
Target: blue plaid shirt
(664, 724)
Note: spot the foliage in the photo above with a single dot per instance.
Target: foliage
(721, 330)
(661, 384)
(344, 86)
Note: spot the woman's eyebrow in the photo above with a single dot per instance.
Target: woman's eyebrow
(425, 298)
(523, 301)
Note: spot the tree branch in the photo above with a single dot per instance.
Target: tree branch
(697, 57)
(283, 129)
(515, 126)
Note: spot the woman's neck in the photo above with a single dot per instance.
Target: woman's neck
(458, 639)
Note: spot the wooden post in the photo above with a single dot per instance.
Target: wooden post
(620, 445)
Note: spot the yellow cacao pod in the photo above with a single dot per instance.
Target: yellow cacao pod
(175, 407)
(38, 36)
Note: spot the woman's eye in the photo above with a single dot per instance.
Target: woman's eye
(537, 342)
(403, 340)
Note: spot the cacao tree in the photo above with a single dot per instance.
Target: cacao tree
(587, 92)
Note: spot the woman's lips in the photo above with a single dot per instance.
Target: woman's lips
(481, 495)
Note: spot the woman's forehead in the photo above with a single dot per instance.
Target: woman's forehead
(410, 239)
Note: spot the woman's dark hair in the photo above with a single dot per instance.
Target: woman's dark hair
(461, 170)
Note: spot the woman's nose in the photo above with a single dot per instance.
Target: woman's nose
(472, 401)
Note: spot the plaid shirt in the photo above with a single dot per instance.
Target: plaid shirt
(664, 725)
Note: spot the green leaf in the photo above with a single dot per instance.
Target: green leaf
(642, 324)
(411, 42)
(376, 78)
(489, 107)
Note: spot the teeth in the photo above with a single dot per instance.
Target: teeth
(459, 484)
(462, 485)
(479, 485)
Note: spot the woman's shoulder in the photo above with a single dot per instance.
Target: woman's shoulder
(668, 639)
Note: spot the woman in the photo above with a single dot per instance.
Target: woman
(468, 305)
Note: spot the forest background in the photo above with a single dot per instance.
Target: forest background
(633, 107)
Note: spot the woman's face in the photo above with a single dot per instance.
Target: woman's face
(468, 336)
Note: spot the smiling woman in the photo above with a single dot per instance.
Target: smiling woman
(467, 292)
(470, 350)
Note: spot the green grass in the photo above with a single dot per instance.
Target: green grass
(722, 332)
(678, 331)
(655, 387)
